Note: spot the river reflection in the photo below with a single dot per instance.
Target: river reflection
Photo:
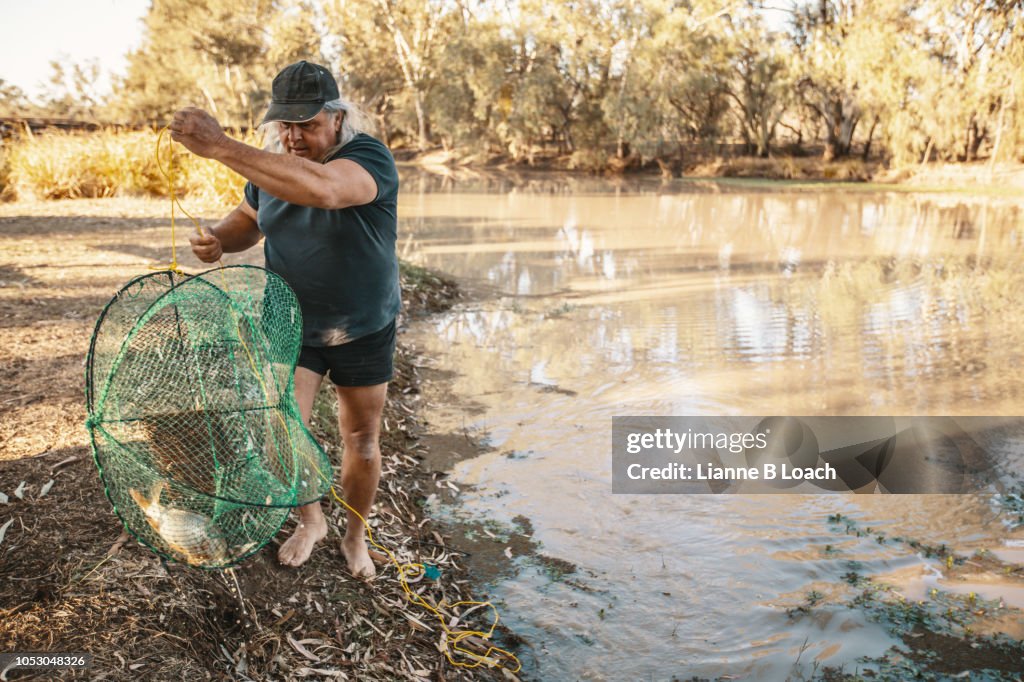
(705, 298)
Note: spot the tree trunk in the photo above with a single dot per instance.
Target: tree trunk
(871, 134)
(421, 122)
(979, 137)
(833, 132)
(848, 136)
(381, 109)
(927, 151)
(764, 138)
(621, 149)
(999, 131)
(970, 134)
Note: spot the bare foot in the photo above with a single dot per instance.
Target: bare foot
(358, 558)
(296, 549)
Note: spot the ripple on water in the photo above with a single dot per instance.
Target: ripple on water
(680, 302)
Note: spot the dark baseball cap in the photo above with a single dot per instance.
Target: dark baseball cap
(299, 92)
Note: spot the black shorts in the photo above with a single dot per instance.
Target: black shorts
(367, 361)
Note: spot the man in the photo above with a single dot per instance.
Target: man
(326, 208)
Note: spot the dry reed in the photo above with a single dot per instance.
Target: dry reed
(112, 163)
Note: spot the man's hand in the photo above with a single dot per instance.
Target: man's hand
(198, 131)
(206, 247)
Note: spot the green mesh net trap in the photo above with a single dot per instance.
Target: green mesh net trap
(193, 422)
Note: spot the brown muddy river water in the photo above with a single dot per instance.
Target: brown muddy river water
(603, 298)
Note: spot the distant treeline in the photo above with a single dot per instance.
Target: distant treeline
(14, 125)
(600, 81)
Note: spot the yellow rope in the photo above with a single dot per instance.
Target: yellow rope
(169, 177)
(453, 637)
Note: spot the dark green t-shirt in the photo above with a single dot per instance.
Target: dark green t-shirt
(340, 262)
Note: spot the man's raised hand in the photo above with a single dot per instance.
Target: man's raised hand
(198, 131)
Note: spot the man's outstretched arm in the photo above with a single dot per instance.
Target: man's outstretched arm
(338, 184)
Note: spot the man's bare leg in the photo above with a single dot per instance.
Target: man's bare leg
(360, 409)
(312, 526)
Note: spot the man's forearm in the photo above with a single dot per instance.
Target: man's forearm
(289, 178)
(236, 232)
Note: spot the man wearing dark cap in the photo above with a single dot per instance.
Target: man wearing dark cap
(325, 205)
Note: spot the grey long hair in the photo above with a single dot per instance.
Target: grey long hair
(354, 121)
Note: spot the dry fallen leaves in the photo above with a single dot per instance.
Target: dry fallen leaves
(303, 650)
(3, 529)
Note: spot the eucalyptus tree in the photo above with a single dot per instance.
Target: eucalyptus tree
(973, 40)
(577, 48)
(823, 77)
(472, 101)
(760, 82)
(675, 90)
(364, 51)
(391, 54)
(1008, 143)
(537, 103)
(639, 79)
(936, 78)
(883, 69)
(211, 53)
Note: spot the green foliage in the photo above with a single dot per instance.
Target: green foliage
(938, 77)
(600, 82)
(391, 51)
(472, 102)
(216, 54)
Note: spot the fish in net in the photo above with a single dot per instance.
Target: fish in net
(191, 413)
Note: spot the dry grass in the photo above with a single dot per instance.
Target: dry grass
(785, 168)
(71, 581)
(1008, 177)
(111, 163)
(5, 171)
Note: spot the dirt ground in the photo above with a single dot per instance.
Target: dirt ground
(71, 580)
